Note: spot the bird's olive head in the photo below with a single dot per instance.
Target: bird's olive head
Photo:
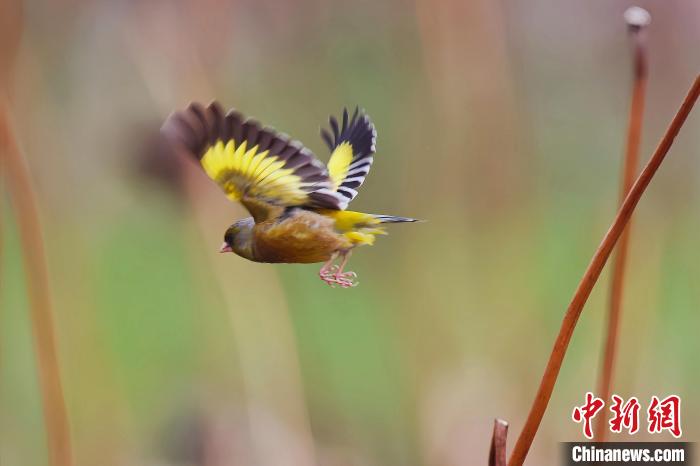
(238, 238)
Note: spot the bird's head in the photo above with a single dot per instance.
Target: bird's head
(238, 238)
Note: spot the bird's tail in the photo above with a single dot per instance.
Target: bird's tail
(361, 228)
(394, 219)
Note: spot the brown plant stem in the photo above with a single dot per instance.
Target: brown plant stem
(585, 286)
(23, 199)
(497, 455)
(631, 161)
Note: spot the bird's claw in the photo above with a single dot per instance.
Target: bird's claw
(344, 279)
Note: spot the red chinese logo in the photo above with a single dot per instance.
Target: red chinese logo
(587, 412)
(665, 415)
(661, 415)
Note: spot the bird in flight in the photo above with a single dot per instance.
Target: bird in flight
(297, 204)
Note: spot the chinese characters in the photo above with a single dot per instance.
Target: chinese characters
(662, 414)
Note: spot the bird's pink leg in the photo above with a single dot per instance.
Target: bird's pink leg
(345, 279)
(328, 270)
(327, 265)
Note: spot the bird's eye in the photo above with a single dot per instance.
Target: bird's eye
(228, 237)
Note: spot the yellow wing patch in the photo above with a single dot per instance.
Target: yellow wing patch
(339, 163)
(256, 165)
(239, 171)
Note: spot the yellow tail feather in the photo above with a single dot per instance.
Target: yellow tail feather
(358, 227)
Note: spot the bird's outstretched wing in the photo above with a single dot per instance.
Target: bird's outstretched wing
(352, 150)
(260, 167)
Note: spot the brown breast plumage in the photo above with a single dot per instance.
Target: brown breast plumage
(300, 236)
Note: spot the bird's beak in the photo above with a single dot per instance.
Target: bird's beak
(225, 248)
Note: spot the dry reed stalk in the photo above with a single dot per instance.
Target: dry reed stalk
(24, 203)
(591, 275)
(637, 19)
(2, 212)
(497, 455)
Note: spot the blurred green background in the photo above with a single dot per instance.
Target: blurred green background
(501, 123)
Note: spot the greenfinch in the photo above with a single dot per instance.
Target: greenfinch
(297, 204)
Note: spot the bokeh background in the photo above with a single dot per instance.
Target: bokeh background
(501, 123)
